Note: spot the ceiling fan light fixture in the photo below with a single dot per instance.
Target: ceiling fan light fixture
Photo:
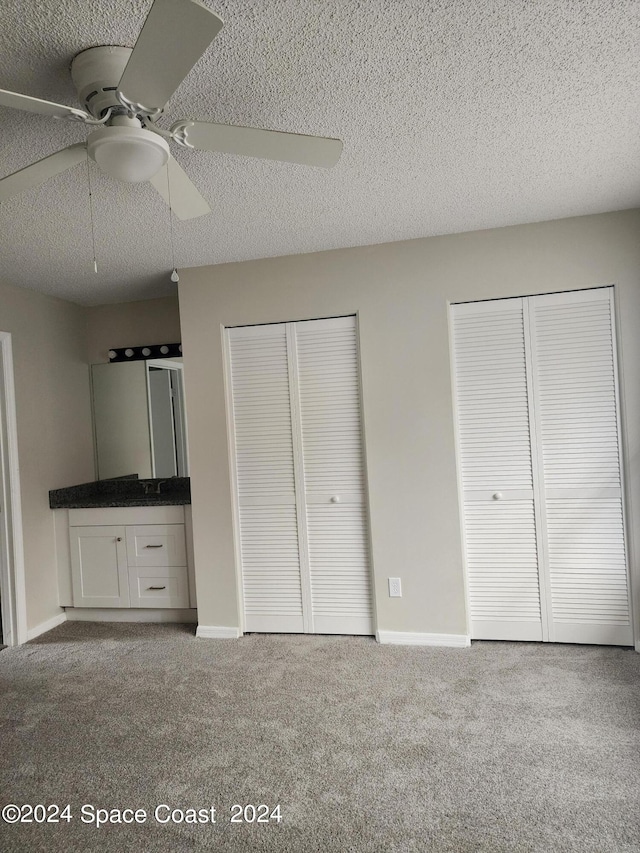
(130, 154)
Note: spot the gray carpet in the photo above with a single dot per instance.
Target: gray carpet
(501, 747)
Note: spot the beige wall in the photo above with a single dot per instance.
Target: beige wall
(401, 292)
(54, 342)
(131, 324)
(54, 425)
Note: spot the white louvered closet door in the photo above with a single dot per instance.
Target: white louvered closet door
(537, 402)
(496, 468)
(330, 421)
(575, 388)
(299, 477)
(265, 479)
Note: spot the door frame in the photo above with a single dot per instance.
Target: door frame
(12, 576)
(179, 435)
(233, 480)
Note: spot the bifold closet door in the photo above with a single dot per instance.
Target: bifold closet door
(333, 471)
(299, 477)
(538, 433)
(265, 479)
(578, 453)
(497, 473)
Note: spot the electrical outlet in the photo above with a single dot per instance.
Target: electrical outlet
(395, 588)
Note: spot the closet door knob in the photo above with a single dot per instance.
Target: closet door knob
(497, 496)
(118, 538)
(335, 499)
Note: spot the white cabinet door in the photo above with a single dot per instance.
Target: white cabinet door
(538, 434)
(497, 474)
(99, 566)
(299, 477)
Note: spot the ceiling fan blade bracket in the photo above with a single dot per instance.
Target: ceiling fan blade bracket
(72, 115)
(161, 131)
(84, 118)
(180, 131)
(134, 109)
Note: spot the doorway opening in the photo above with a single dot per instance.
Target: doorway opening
(12, 587)
(167, 419)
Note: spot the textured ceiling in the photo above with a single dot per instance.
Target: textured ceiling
(455, 115)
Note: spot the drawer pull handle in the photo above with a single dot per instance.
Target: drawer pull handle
(153, 546)
(156, 587)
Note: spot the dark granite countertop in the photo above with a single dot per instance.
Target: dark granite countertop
(123, 491)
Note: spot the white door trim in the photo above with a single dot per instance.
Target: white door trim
(233, 481)
(623, 456)
(12, 580)
(178, 368)
(453, 379)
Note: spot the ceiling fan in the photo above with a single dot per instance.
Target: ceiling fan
(124, 92)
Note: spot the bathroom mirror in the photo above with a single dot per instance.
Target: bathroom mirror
(139, 419)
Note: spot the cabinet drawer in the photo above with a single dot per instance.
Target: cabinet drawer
(158, 586)
(156, 545)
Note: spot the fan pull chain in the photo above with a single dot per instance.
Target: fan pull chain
(174, 275)
(93, 230)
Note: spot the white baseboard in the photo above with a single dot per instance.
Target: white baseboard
(638, 645)
(408, 638)
(43, 627)
(217, 632)
(142, 614)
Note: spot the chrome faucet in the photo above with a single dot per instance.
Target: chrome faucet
(153, 487)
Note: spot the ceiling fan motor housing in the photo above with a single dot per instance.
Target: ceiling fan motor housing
(96, 73)
(126, 151)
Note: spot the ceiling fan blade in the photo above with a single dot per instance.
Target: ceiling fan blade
(253, 142)
(38, 173)
(173, 38)
(35, 105)
(186, 201)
